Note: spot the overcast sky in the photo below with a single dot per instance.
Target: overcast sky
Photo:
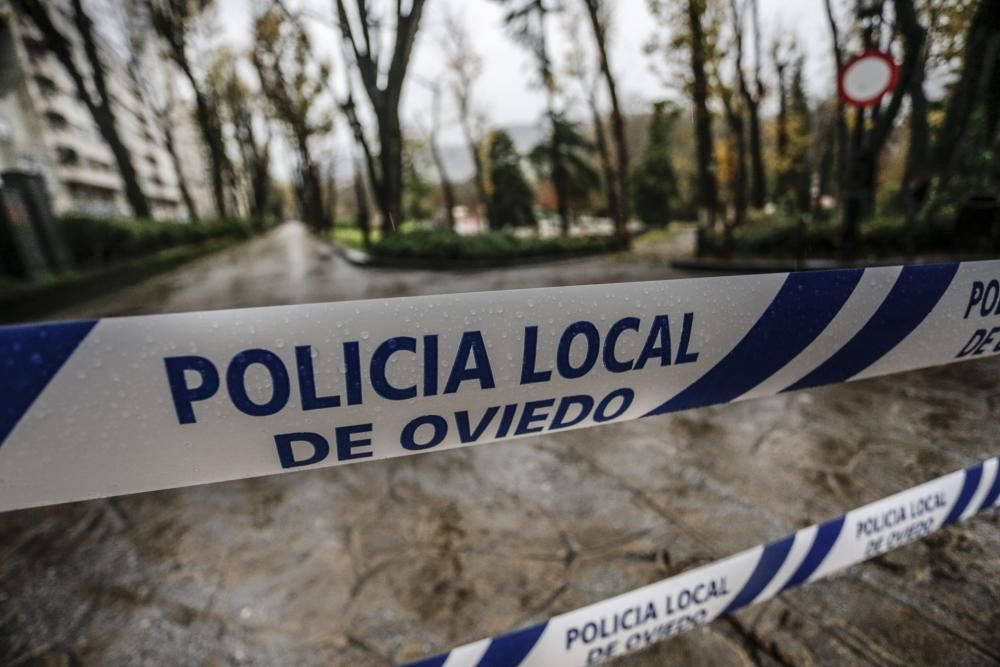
(506, 92)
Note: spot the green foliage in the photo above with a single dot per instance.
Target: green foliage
(417, 190)
(881, 237)
(794, 169)
(654, 182)
(573, 158)
(294, 84)
(511, 201)
(445, 244)
(96, 242)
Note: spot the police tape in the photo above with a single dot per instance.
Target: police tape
(653, 613)
(122, 405)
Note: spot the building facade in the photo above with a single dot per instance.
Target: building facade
(45, 127)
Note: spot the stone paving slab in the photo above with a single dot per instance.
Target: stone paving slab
(392, 560)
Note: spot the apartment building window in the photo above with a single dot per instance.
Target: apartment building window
(46, 85)
(56, 120)
(67, 156)
(35, 46)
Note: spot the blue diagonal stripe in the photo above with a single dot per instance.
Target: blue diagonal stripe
(30, 356)
(993, 493)
(969, 485)
(802, 309)
(435, 661)
(510, 649)
(912, 298)
(770, 561)
(826, 537)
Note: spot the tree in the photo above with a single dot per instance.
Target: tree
(95, 97)
(293, 85)
(165, 120)
(416, 189)
(598, 13)
(572, 155)
(796, 172)
(173, 21)
(237, 100)
(578, 70)
(384, 88)
(654, 181)
(752, 97)
(780, 58)
(362, 214)
(699, 41)
(154, 87)
(433, 137)
(736, 152)
(466, 66)
(525, 20)
(978, 86)
(511, 197)
(871, 128)
(793, 128)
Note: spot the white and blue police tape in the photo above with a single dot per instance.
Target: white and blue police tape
(121, 405)
(656, 612)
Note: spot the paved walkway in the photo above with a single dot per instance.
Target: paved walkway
(389, 561)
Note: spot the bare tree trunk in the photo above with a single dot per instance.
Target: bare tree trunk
(100, 108)
(738, 157)
(384, 90)
(363, 216)
(330, 201)
(782, 138)
(312, 189)
(260, 178)
(758, 182)
(914, 185)
(758, 175)
(840, 121)
(558, 174)
(708, 190)
(168, 143)
(480, 176)
(208, 122)
(447, 191)
(391, 168)
(607, 168)
(868, 141)
(620, 209)
(371, 163)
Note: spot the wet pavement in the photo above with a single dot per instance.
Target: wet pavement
(390, 561)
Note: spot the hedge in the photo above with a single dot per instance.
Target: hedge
(95, 242)
(445, 244)
(880, 238)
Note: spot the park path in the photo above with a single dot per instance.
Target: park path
(289, 265)
(390, 561)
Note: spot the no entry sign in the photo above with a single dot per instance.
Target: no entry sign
(865, 78)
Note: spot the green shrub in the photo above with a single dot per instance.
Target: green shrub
(882, 236)
(97, 242)
(445, 244)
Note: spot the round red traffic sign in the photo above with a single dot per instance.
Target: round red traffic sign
(866, 77)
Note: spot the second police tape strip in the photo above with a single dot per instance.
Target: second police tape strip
(653, 613)
(121, 405)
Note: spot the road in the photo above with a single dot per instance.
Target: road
(385, 562)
